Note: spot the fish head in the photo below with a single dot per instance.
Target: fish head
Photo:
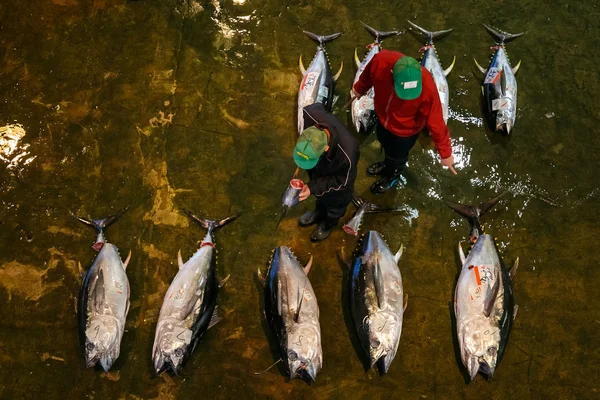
(304, 353)
(171, 347)
(102, 342)
(480, 343)
(504, 121)
(384, 330)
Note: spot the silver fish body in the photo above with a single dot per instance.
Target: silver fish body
(364, 118)
(500, 86)
(364, 207)
(432, 64)
(103, 301)
(318, 83)
(189, 306)
(483, 299)
(292, 313)
(376, 299)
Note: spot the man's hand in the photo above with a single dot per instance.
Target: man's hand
(449, 162)
(355, 94)
(304, 193)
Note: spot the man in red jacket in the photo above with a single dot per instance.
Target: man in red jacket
(406, 101)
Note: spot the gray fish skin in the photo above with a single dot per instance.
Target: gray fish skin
(318, 83)
(376, 299)
(103, 301)
(292, 313)
(483, 299)
(500, 86)
(189, 305)
(432, 64)
(364, 118)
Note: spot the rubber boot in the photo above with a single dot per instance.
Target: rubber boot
(376, 169)
(387, 182)
(324, 229)
(311, 217)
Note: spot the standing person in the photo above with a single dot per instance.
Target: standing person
(329, 153)
(406, 101)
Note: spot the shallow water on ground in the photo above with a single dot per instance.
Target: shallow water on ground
(169, 104)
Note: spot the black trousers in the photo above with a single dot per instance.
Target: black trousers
(333, 204)
(396, 149)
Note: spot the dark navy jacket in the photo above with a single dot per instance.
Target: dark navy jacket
(332, 179)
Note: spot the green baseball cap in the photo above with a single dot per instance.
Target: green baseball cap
(309, 147)
(407, 78)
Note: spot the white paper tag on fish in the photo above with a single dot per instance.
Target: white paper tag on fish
(500, 104)
(309, 80)
(307, 295)
(491, 75)
(185, 335)
(323, 92)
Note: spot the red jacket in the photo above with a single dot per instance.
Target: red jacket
(405, 117)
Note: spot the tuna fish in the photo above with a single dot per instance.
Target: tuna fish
(431, 62)
(317, 83)
(483, 299)
(364, 207)
(292, 313)
(363, 109)
(103, 299)
(376, 299)
(190, 304)
(500, 85)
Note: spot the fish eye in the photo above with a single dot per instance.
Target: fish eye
(375, 343)
(178, 352)
(90, 346)
(292, 356)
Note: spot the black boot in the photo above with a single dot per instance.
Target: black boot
(387, 182)
(375, 169)
(311, 218)
(324, 229)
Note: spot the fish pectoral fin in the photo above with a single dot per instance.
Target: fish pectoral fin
(516, 68)
(261, 276)
(515, 310)
(502, 81)
(336, 76)
(301, 66)
(491, 297)
(461, 254)
(449, 69)
(81, 272)
(299, 306)
(356, 60)
(405, 302)
(513, 270)
(126, 263)
(223, 281)
(399, 253)
(308, 265)
(479, 67)
(215, 318)
(343, 258)
(179, 260)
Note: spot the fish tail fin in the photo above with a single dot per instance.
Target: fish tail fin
(474, 213)
(208, 224)
(322, 39)
(100, 224)
(501, 37)
(429, 35)
(379, 35)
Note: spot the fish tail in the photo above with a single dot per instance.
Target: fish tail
(379, 35)
(501, 37)
(322, 39)
(472, 213)
(208, 224)
(100, 224)
(430, 36)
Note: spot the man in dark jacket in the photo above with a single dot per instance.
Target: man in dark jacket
(329, 153)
